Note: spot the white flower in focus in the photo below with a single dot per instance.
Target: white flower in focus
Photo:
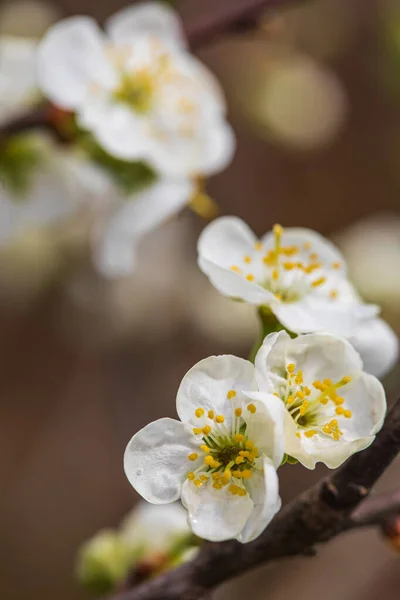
(153, 529)
(333, 408)
(17, 75)
(138, 90)
(299, 275)
(130, 219)
(221, 458)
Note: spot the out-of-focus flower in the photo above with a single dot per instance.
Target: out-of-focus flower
(333, 408)
(221, 458)
(17, 75)
(138, 90)
(151, 538)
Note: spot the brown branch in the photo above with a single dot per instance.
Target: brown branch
(318, 515)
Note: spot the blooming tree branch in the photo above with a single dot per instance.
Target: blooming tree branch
(334, 505)
(224, 18)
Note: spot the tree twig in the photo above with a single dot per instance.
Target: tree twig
(331, 507)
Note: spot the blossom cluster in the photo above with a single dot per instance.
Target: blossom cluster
(306, 397)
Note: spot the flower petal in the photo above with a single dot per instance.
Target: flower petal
(225, 241)
(71, 57)
(155, 460)
(215, 515)
(150, 18)
(270, 361)
(207, 383)
(315, 314)
(366, 399)
(378, 346)
(266, 427)
(309, 242)
(146, 210)
(263, 489)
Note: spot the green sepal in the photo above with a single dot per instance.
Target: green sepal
(20, 157)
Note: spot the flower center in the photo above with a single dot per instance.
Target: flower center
(136, 90)
(229, 456)
(307, 404)
(289, 272)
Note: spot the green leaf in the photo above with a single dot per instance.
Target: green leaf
(20, 157)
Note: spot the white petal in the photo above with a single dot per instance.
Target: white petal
(150, 18)
(263, 489)
(17, 74)
(266, 427)
(301, 237)
(270, 361)
(313, 314)
(365, 397)
(225, 241)
(154, 527)
(215, 515)
(219, 148)
(331, 453)
(115, 255)
(156, 462)
(70, 58)
(207, 383)
(378, 346)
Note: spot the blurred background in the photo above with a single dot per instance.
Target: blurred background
(314, 97)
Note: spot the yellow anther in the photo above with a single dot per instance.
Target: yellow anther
(233, 489)
(238, 412)
(314, 256)
(239, 460)
(258, 245)
(275, 394)
(206, 430)
(333, 423)
(275, 274)
(318, 282)
(238, 437)
(333, 294)
(231, 394)
(199, 412)
(300, 394)
(246, 474)
(338, 400)
(336, 265)
(251, 408)
(312, 267)
(307, 245)
(209, 460)
(289, 266)
(203, 478)
(247, 259)
(310, 433)
(290, 368)
(236, 269)
(205, 448)
(303, 407)
(242, 492)
(197, 430)
(236, 473)
(220, 418)
(289, 250)
(324, 401)
(217, 486)
(327, 428)
(211, 414)
(327, 382)
(278, 230)
(225, 480)
(299, 378)
(347, 413)
(270, 258)
(244, 453)
(290, 400)
(278, 296)
(307, 391)
(191, 475)
(249, 445)
(250, 277)
(346, 379)
(197, 482)
(298, 434)
(193, 456)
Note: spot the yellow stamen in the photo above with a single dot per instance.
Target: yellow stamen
(238, 412)
(193, 456)
(307, 245)
(199, 412)
(220, 418)
(211, 414)
(206, 430)
(299, 378)
(275, 274)
(346, 379)
(231, 394)
(247, 259)
(249, 445)
(290, 368)
(236, 269)
(347, 414)
(205, 448)
(191, 475)
(238, 437)
(250, 277)
(333, 294)
(197, 430)
(310, 433)
(318, 282)
(336, 265)
(251, 408)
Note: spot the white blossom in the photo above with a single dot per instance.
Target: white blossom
(220, 458)
(138, 90)
(333, 408)
(301, 278)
